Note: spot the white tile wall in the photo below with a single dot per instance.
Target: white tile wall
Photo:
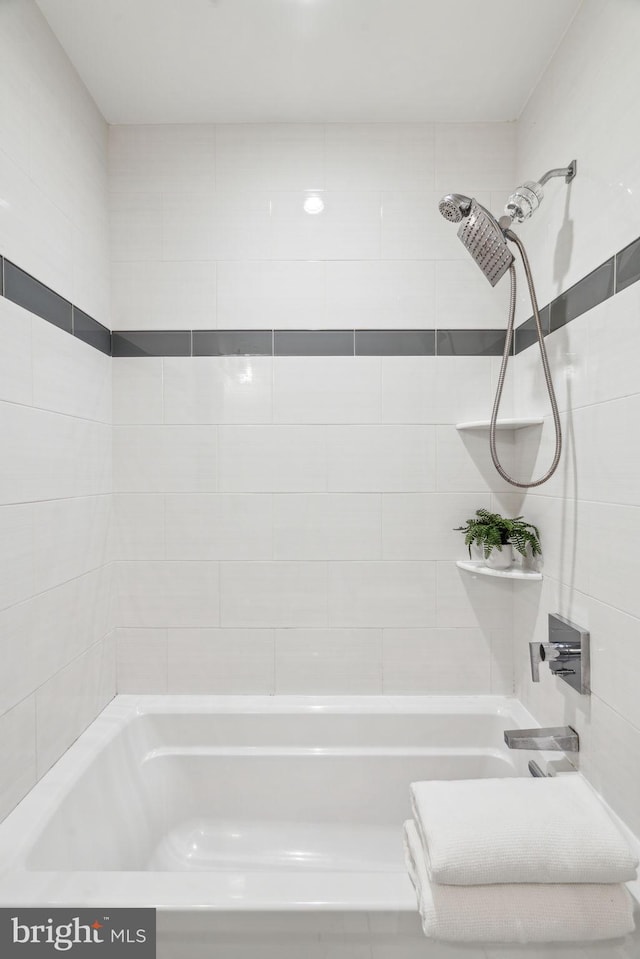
(589, 512)
(320, 516)
(208, 226)
(158, 294)
(273, 594)
(55, 410)
(287, 294)
(302, 394)
(137, 530)
(419, 526)
(85, 686)
(205, 526)
(55, 519)
(67, 376)
(237, 661)
(18, 558)
(70, 538)
(276, 156)
(311, 480)
(326, 526)
(216, 389)
(273, 458)
(387, 458)
(336, 661)
(161, 594)
(382, 594)
(141, 660)
(16, 372)
(381, 294)
(436, 660)
(408, 389)
(137, 391)
(378, 156)
(53, 165)
(164, 458)
(18, 752)
(464, 461)
(467, 600)
(325, 534)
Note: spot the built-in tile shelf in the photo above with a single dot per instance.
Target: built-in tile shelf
(478, 566)
(513, 424)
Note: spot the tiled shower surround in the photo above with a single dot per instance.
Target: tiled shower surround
(590, 511)
(57, 650)
(285, 523)
(282, 522)
(279, 528)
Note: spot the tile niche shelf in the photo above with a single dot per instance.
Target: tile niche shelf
(477, 566)
(512, 424)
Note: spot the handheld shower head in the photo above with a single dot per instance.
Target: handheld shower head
(455, 206)
(482, 236)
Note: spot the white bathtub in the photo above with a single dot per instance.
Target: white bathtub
(257, 822)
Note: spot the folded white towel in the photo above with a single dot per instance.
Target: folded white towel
(516, 913)
(484, 831)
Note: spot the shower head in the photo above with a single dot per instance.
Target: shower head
(482, 236)
(455, 206)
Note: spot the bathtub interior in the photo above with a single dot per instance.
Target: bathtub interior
(321, 790)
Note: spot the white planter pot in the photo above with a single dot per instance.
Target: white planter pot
(500, 559)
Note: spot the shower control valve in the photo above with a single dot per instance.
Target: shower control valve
(567, 653)
(551, 653)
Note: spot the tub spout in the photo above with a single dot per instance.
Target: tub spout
(561, 738)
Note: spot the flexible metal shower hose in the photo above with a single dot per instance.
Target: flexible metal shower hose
(503, 372)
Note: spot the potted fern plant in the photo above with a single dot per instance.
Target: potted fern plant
(498, 536)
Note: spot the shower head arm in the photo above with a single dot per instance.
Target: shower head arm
(525, 199)
(568, 172)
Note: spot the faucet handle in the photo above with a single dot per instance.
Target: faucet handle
(535, 658)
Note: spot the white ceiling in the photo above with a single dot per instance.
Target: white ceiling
(185, 61)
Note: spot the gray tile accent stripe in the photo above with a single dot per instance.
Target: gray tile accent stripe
(526, 334)
(470, 342)
(583, 295)
(628, 266)
(606, 280)
(23, 289)
(612, 276)
(151, 343)
(313, 342)
(232, 342)
(90, 331)
(395, 342)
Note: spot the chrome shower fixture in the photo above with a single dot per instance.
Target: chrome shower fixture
(486, 240)
(525, 199)
(483, 237)
(455, 206)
